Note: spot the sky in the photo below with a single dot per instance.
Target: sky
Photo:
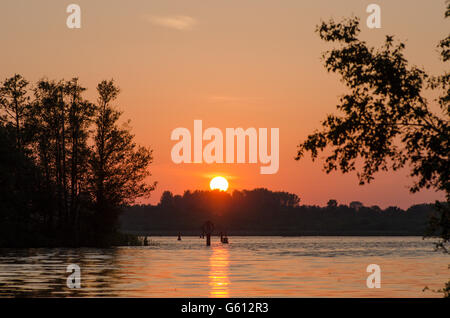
(252, 63)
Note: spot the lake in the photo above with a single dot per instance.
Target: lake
(247, 267)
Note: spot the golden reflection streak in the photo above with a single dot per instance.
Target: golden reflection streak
(218, 272)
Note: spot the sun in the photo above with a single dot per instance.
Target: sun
(219, 183)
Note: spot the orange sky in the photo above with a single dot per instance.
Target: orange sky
(253, 63)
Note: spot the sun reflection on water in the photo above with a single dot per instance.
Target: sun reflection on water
(218, 272)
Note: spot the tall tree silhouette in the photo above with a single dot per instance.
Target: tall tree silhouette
(118, 166)
(385, 120)
(63, 182)
(80, 114)
(14, 101)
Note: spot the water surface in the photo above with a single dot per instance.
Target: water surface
(247, 267)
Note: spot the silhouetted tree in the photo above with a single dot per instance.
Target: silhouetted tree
(241, 213)
(20, 192)
(356, 205)
(385, 104)
(375, 208)
(56, 189)
(60, 120)
(286, 199)
(46, 122)
(118, 167)
(331, 204)
(14, 102)
(80, 115)
(166, 200)
(386, 121)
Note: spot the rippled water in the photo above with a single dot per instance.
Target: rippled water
(247, 267)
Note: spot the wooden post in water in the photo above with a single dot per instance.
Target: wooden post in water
(208, 228)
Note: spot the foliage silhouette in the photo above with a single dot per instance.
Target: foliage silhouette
(265, 212)
(386, 122)
(67, 166)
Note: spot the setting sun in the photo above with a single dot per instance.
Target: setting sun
(219, 183)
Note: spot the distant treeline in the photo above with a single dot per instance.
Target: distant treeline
(67, 165)
(264, 212)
